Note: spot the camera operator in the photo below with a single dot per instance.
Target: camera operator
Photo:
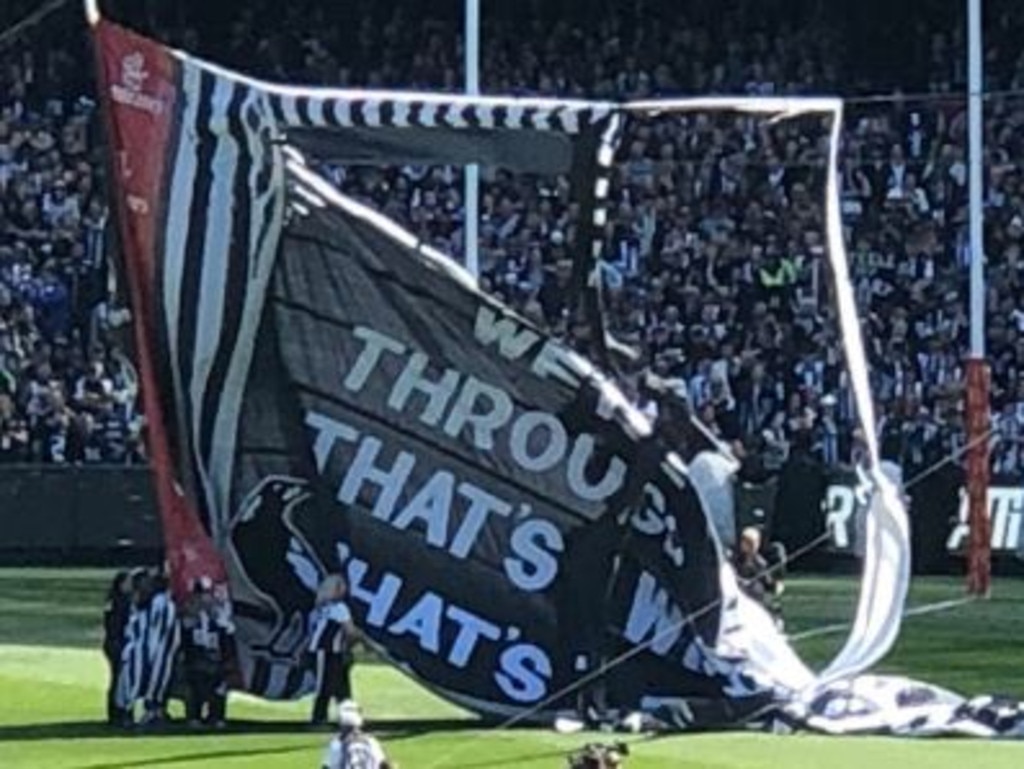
(757, 576)
(596, 756)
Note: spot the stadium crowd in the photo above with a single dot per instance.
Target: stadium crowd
(716, 256)
(67, 388)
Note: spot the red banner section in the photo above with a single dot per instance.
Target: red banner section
(140, 94)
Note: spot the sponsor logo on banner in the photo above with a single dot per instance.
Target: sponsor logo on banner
(131, 90)
(1005, 511)
(138, 205)
(843, 503)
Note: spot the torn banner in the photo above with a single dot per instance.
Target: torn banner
(328, 395)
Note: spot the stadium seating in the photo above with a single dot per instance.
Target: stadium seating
(714, 242)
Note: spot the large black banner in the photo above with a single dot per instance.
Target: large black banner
(503, 518)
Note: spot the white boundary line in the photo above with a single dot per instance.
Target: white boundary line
(917, 611)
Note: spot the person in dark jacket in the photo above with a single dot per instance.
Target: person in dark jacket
(115, 621)
(593, 555)
(207, 639)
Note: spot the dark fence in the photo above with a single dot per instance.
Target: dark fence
(806, 500)
(80, 514)
(50, 512)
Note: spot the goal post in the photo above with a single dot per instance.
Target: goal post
(979, 553)
(977, 406)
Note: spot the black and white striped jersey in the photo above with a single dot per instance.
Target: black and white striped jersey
(328, 625)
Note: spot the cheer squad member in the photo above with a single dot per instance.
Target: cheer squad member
(163, 637)
(132, 673)
(332, 636)
(208, 641)
(115, 624)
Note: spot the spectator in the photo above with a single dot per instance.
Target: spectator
(52, 256)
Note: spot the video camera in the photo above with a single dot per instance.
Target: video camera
(599, 756)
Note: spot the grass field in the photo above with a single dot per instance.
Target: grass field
(52, 679)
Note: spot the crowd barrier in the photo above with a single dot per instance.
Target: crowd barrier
(55, 512)
(805, 502)
(64, 512)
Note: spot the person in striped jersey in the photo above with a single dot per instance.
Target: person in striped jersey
(332, 636)
(163, 638)
(132, 671)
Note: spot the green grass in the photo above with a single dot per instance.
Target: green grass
(52, 679)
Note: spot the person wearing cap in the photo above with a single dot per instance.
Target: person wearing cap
(351, 747)
(208, 643)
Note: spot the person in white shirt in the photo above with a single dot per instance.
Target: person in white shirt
(352, 748)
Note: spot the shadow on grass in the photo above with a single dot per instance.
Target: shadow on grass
(206, 755)
(392, 729)
(554, 755)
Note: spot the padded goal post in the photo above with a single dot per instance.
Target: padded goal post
(979, 553)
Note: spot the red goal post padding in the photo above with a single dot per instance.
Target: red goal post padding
(979, 555)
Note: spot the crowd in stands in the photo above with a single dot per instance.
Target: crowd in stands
(67, 390)
(716, 254)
